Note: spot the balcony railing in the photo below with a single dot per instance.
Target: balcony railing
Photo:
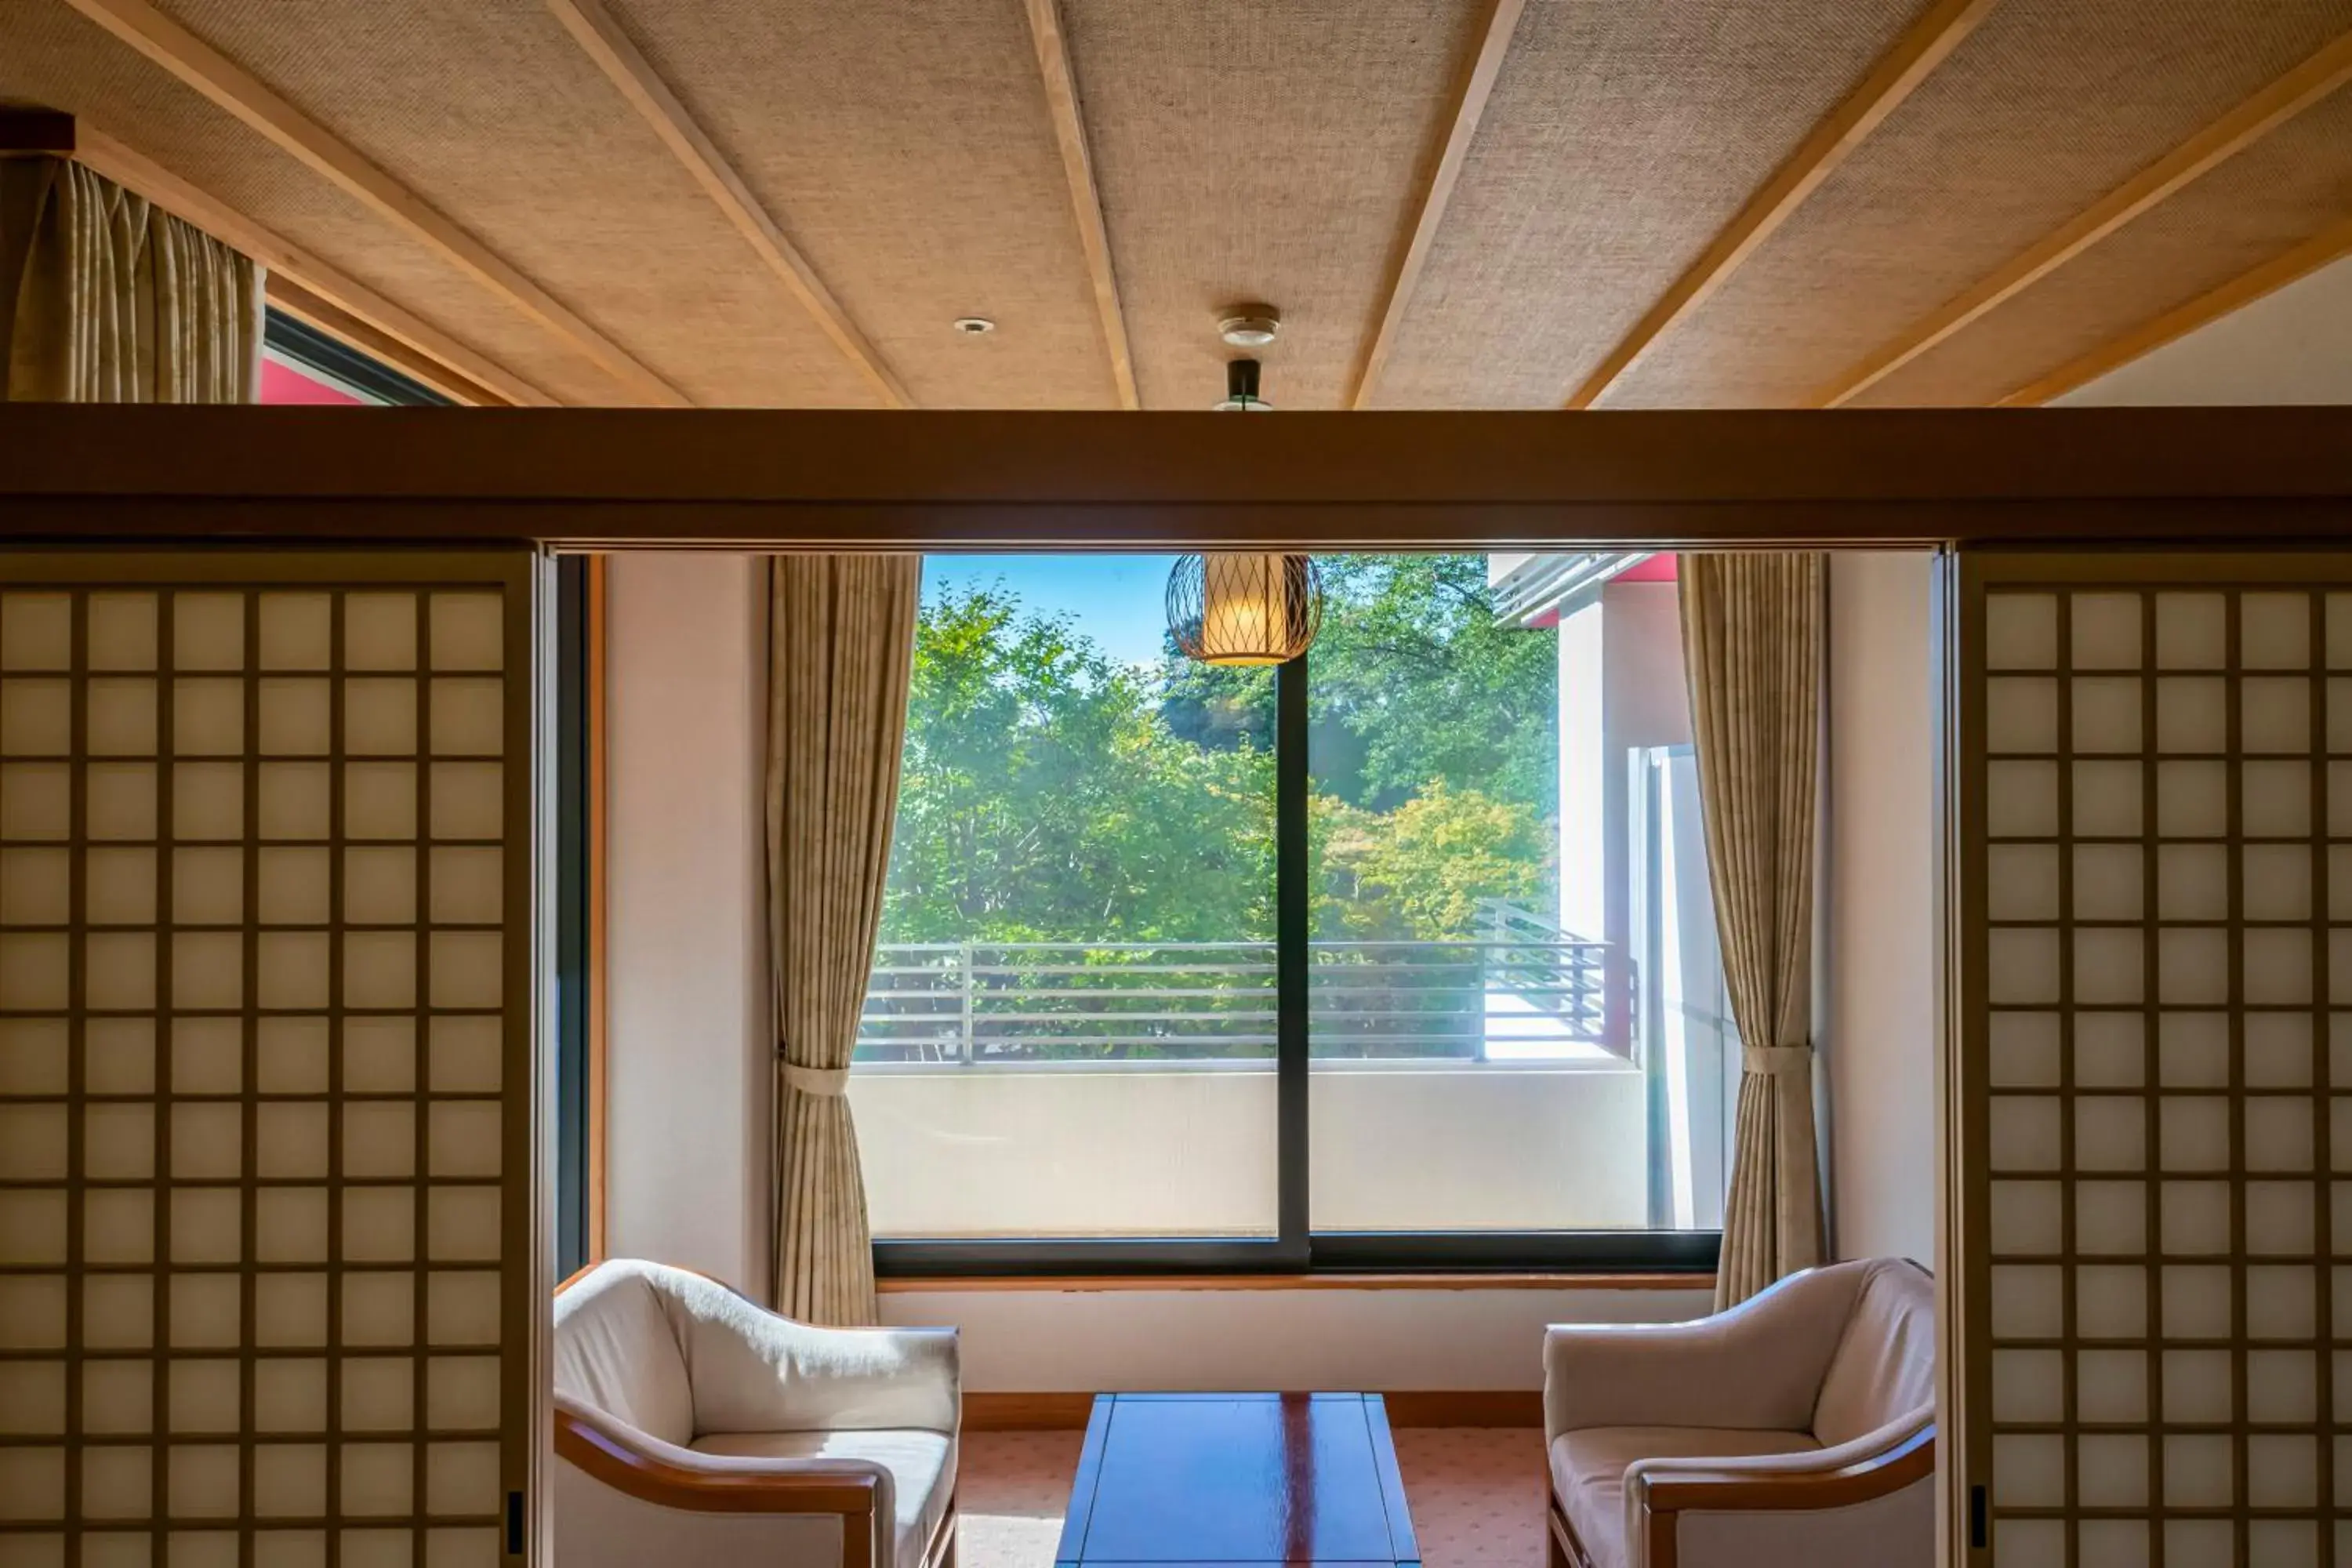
(1507, 995)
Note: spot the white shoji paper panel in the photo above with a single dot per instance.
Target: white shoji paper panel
(2161, 1012)
(257, 859)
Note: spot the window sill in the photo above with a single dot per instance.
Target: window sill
(902, 1286)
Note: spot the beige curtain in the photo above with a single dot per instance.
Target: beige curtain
(1752, 636)
(841, 634)
(109, 298)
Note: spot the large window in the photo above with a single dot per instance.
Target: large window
(1390, 956)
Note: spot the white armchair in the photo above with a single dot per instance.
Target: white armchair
(1797, 1428)
(698, 1430)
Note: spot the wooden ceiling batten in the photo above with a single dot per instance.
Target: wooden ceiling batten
(1928, 43)
(1061, 85)
(2318, 76)
(221, 79)
(467, 369)
(618, 57)
(1469, 107)
(2330, 245)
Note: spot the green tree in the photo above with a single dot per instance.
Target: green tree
(1429, 685)
(1043, 800)
(1054, 796)
(1421, 873)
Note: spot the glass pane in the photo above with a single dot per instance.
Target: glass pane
(1070, 1030)
(1504, 832)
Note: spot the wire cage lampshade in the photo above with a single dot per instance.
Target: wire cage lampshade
(1244, 607)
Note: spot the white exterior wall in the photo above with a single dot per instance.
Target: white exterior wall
(1646, 702)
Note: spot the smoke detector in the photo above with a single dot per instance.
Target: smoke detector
(1250, 326)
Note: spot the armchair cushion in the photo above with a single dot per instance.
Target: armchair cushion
(922, 1466)
(1884, 1368)
(678, 1357)
(1589, 1466)
(1758, 1366)
(1828, 1373)
(692, 1413)
(615, 1353)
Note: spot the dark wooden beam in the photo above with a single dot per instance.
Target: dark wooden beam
(36, 131)
(979, 480)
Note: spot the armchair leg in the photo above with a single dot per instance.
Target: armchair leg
(941, 1554)
(1557, 1553)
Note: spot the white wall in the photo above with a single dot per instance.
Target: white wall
(1040, 1342)
(2294, 346)
(687, 1090)
(1879, 906)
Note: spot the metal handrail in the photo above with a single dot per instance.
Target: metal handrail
(979, 1002)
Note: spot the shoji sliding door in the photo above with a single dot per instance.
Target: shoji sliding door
(2153, 1085)
(266, 1197)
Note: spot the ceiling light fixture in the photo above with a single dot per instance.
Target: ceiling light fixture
(973, 326)
(1244, 608)
(1240, 389)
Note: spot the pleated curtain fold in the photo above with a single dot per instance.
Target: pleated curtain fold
(841, 634)
(1753, 644)
(105, 297)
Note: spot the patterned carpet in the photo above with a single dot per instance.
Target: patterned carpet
(1477, 1495)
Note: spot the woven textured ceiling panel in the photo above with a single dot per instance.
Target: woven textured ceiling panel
(1619, 141)
(1249, 150)
(908, 153)
(2048, 105)
(491, 108)
(2277, 192)
(50, 55)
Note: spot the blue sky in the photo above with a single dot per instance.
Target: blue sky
(1119, 601)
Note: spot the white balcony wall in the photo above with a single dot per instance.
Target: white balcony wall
(1068, 1152)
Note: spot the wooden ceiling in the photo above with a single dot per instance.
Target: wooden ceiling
(1455, 204)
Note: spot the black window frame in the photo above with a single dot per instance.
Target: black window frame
(1297, 1248)
(302, 344)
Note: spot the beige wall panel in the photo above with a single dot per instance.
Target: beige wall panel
(2288, 186)
(50, 55)
(1261, 152)
(1620, 140)
(489, 109)
(690, 1052)
(907, 150)
(2048, 106)
(1882, 1002)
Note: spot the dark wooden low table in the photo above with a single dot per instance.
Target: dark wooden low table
(1234, 1478)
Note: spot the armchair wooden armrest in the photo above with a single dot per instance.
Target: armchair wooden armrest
(855, 1492)
(1660, 1494)
(845, 1488)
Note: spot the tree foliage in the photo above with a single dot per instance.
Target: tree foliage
(1050, 793)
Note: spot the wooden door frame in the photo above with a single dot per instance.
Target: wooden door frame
(580, 480)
